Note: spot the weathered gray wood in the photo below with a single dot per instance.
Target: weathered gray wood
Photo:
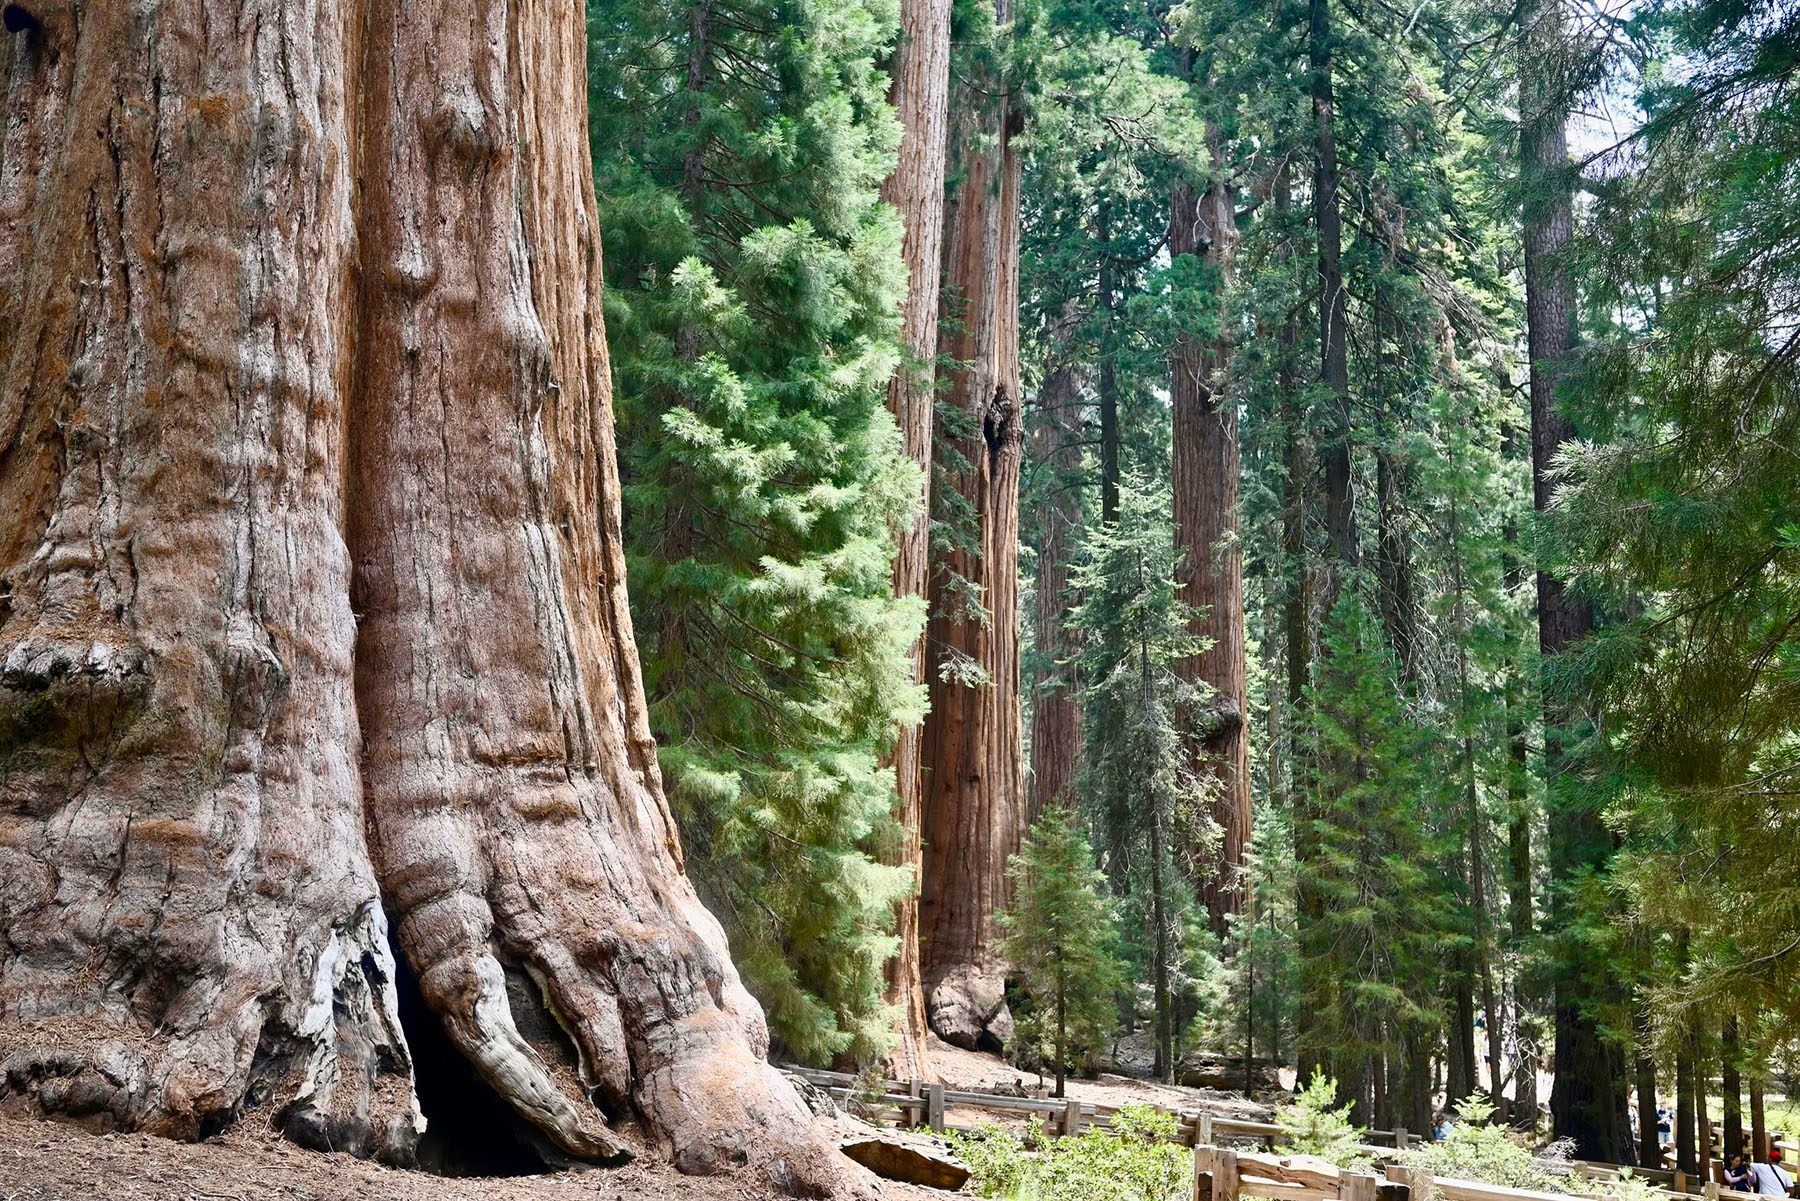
(935, 1106)
(1225, 1176)
(1203, 1172)
(1071, 1118)
(915, 1113)
(1356, 1186)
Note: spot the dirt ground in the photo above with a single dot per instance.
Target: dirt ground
(972, 1069)
(49, 1161)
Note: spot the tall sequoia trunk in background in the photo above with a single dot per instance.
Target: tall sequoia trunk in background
(974, 803)
(311, 536)
(1105, 301)
(1686, 1157)
(1649, 1144)
(1587, 1100)
(1211, 562)
(1055, 713)
(920, 95)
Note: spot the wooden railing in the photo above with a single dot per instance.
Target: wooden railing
(1221, 1174)
(912, 1103)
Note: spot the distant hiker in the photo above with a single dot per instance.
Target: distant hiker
(1665, 1121)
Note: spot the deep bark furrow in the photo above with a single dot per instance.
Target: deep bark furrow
(225, 434)
(184, 858)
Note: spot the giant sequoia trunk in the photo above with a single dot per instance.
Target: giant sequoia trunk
(1211, 569)
(1587, 1099)
(974, 797)
(313, 606)
(920, 95)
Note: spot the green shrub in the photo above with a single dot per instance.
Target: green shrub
(1138, 1159)
(1476, 1150)
(1315, 1124)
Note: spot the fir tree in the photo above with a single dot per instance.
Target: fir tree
(1060, 940)
(754, 279)
(1157, 828)
(1374, 953)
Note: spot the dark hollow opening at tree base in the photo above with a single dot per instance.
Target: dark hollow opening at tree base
(470, 1129)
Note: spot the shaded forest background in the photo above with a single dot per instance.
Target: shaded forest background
(1368, 529)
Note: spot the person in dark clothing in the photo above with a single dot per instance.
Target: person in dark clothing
(1739, 1176)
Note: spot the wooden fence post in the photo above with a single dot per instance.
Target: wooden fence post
(1225, 1176)
(915, 1113)
(1071, 1122)
(1203, 1134)
(1401, 1138)
(1416, 1181)
(1203, 1173)
(1356, 1186)
(934, 1106)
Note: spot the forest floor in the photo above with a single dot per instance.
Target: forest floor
(50, 1161)
(976, 1070)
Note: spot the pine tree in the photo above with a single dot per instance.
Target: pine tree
(1060, 940)
(754, 285)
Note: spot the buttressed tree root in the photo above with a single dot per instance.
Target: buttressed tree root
(312, 601)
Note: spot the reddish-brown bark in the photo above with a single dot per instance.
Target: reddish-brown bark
(293, 348)
(974, 796)
(921, 97)
(1211, 575)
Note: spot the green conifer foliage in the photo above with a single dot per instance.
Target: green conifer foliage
(1156, 828)
(1385, 923)
(1683, 515)
(753, 288)
(1061, 941)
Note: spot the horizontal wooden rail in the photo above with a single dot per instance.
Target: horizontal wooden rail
(916, 1103)
(913, 1100)
(1221, 1174)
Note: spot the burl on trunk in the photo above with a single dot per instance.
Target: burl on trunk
(312, 608)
